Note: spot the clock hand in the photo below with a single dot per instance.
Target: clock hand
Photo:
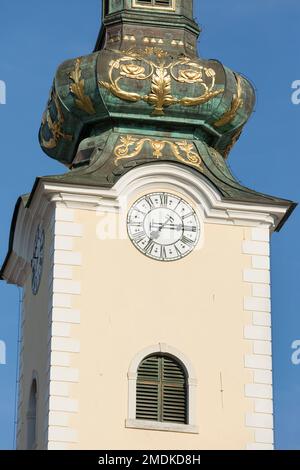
(169, 226)
(155, 234)
(178, 227)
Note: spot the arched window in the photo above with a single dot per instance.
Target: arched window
(161, 390)
(31, 416)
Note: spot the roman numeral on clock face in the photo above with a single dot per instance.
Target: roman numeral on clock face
(164, 199)
(187, 241)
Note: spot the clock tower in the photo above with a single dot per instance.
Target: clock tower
(145, 268)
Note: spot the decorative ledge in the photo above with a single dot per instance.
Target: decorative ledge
(156, 426)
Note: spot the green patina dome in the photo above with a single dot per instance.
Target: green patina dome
(146, 88)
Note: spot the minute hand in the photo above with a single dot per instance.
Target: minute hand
(175, 227)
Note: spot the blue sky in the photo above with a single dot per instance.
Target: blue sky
(259, 38)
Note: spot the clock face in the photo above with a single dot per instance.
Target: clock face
(37, 260)
(163, 226)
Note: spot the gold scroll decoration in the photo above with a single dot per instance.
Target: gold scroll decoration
(136, 64)
(55, 125)
(82, 101)
(236, 104)
(183, 151)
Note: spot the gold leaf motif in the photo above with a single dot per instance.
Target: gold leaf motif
(236, 103)
(82, 101)
(161, 70)
(132, 71)
(190, 76)
(160, 95)
(55, 126)
(130, 147)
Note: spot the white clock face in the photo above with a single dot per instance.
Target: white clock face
(163, 226)
(37, 260)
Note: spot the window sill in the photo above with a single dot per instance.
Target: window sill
(156, 426)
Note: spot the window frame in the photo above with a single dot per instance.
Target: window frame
(172, 7)
(32, 414)
(191, 381)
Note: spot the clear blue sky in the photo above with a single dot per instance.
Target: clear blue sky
(259, 38)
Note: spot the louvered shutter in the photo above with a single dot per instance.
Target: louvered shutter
(161, 390)
(147, 403)
(174, 392)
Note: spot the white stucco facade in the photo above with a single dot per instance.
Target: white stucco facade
(102, 306)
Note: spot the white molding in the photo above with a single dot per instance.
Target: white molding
(258, 333)
(62, 272)
(59, 418)
(258, 391)
(67, 405)
(59, 434)
(259, 420)
(257, 304)
(58, 446)
(254, 361)
(261, 290)
(63, 214)
(264, 436)
(260, 234)
(261, 262)
(61, 329)
(60, 359)
(68, 229)
(256, 248)
(62, 300)
(61, 389)
(257, 276)
(65, 198)
(68, 258)
(63, 286)
(156, 426)
(63, 243)
(262, 333)
(261, 319)
(66, 315)
(263, 376)
(64, 374)
(262, 405)
(63, 347)
(65, 344)
(262, 347)
(192, 383)
(257, 446)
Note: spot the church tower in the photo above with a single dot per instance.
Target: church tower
(145, 267)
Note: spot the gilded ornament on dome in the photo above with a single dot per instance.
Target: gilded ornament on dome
(138, 64)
